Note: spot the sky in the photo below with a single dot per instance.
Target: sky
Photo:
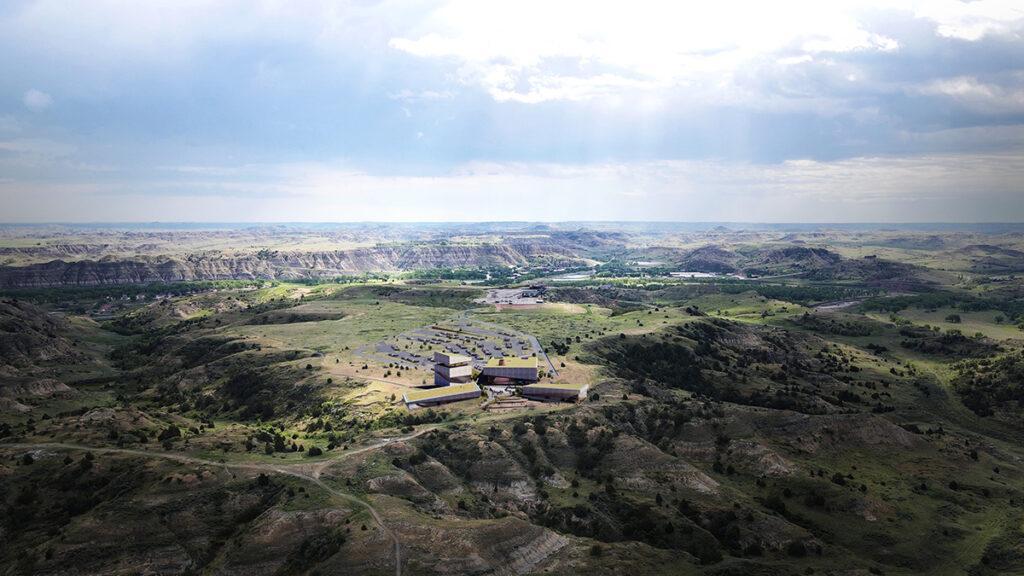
(461, 110)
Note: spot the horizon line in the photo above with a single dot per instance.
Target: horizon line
(463, 222)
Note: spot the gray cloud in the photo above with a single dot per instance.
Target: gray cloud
(805, 110)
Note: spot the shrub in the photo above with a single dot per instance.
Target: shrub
(797, 549)
(170, 433)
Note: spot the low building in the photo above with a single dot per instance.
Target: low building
(441, 395)
(533, 291)
(512, 368)
(555, 392)
(452, 369)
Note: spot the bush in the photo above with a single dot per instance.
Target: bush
(314, 451)
(797, 549)
(170, 433)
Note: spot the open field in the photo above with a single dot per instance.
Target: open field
(983, 322)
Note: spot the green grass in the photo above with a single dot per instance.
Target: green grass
(551, 323)
(971, 322)
(364, 323)
(744, 307)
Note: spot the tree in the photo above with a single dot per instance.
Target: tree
(953, 318)
(170, 433)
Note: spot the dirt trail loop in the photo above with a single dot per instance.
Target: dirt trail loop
(304, 471)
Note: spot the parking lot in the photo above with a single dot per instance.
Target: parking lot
(478, 340)
(511, 297)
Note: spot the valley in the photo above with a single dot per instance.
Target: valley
(814, 402)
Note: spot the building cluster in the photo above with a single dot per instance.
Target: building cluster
(453, 381)
(534, 291)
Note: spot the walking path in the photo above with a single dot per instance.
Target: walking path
(309, 472)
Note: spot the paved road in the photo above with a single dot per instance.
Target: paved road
(295, 469)
(542, 353)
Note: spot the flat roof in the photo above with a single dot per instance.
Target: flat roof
(413, 396)
(513, 362)
(450, 359)
(556, 386)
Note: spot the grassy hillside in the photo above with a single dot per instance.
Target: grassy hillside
(801, 424)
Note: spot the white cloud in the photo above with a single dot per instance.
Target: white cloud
(528, 51)
(921, 188)
(36, 100)
(979, 96)
(972, 20)
(534, 51)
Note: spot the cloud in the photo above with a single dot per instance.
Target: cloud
(36, 100)
(534, 51)
(979, 96)
(939, 187)
(703, 110)
(973, 20)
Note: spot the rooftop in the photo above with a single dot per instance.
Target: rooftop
(512, 362)
(556, 386)
(434, 393)
(451, 359)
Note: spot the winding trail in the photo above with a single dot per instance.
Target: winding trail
(310, 472)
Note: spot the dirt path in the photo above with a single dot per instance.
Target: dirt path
(302, 470)
(358, 376)
(837, 305)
